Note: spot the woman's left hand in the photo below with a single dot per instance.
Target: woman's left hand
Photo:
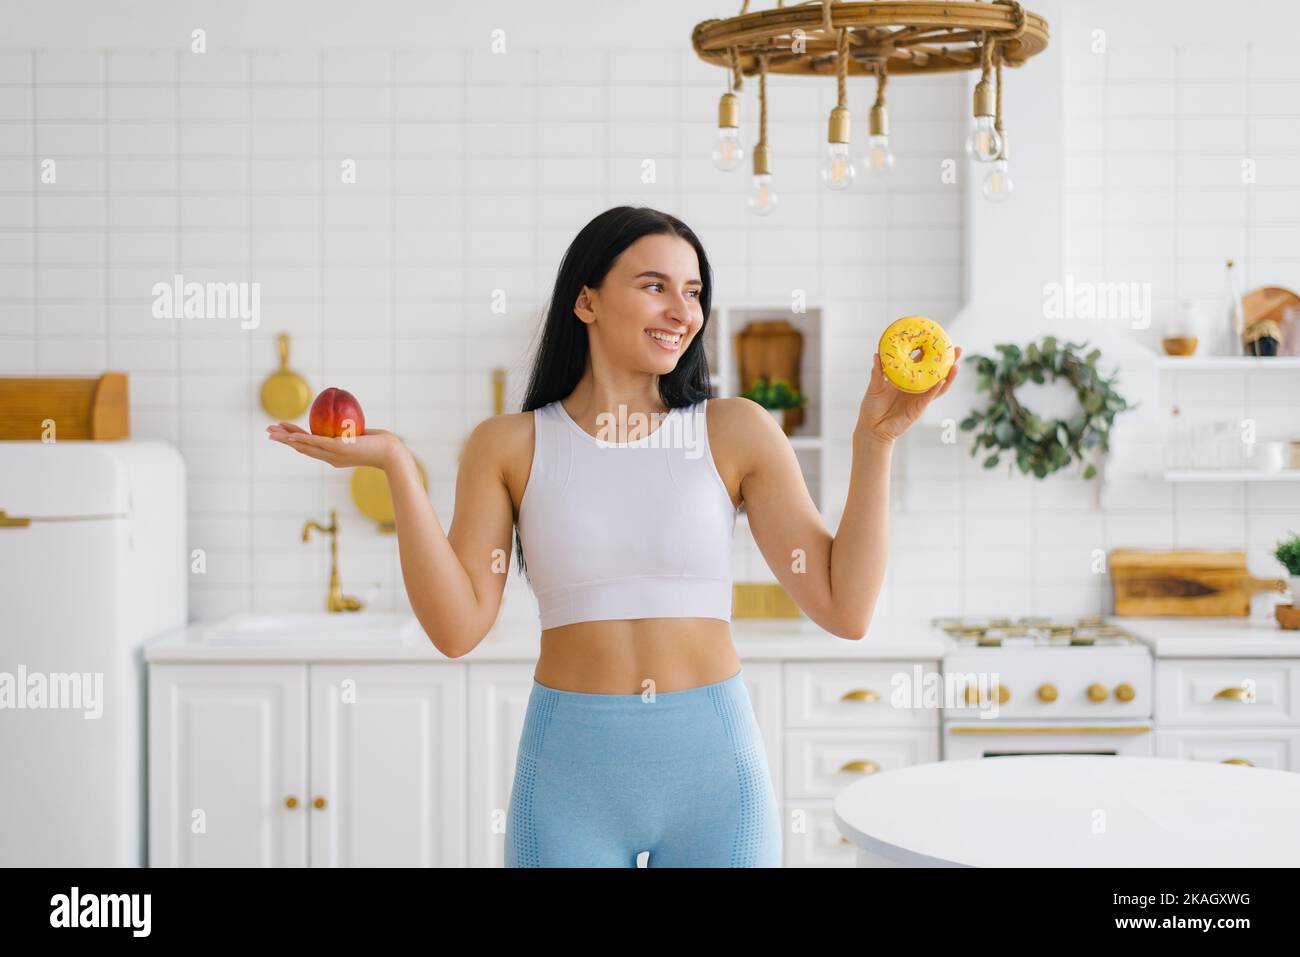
(887, 411)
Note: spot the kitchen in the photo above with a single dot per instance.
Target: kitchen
(384, 197)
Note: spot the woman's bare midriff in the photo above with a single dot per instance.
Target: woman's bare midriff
(619, 657)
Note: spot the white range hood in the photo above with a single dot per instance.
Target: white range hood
(1015, 251)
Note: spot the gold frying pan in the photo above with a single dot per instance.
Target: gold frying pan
(285, 394)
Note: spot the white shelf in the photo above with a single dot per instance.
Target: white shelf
(1228, 363)
(1226, 475)
(810, 440)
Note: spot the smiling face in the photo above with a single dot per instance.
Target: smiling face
(647, 310)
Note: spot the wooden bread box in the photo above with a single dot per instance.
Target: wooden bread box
(1184, 582)
(48, 408)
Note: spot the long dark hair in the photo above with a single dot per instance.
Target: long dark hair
(561, 356)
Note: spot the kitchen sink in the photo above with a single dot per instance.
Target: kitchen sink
(362, 627)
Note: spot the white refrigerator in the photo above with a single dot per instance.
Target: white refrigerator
(93, 564)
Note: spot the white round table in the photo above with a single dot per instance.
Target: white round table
(1073, 811)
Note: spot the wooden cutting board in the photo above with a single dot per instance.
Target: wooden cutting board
(1184, 582)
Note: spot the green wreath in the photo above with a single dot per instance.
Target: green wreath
(1042, 446)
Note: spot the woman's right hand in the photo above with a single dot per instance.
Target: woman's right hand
(375, 447)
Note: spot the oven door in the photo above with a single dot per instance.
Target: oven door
(991, 739)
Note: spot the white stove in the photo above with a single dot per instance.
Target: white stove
(1036, 685)
(1028, 632)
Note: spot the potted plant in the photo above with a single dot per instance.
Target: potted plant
(776, 395)
(1288, 553)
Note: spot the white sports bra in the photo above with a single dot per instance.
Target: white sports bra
(638, 529)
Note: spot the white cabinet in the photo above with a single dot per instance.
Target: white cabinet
(301, 765)
(1240, 710)
(840, 725)
(1235, 692)
(412, 763)
(852, 694)
(227, 751)
(498, 702)
(1276, 748)
(387, 765)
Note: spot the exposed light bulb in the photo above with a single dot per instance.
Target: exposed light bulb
(727, 151)
(984, 143)
(997, 184)
(879, 159)
(837, 167)
(762, 199)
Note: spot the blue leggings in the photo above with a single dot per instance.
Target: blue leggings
(600, 778)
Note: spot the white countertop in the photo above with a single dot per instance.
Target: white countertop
(1213, 637)
(1043, 811)
(755, 639)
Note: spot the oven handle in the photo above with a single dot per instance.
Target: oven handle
(1055, 729)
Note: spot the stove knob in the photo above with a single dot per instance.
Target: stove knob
(1047, 692)
(1124, 691)
(1004, 694)
(1097, 692)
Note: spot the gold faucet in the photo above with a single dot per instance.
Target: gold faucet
(337, 601)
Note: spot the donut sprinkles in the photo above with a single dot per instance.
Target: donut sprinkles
(909, 335)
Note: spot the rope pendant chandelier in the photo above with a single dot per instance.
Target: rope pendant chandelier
(878, 38)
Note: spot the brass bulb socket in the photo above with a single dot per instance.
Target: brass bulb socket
(838, 128)
(983, 99)
(729, 110)
(760, 159)
(878, 121)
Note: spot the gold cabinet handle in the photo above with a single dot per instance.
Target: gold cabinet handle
(1047, 692)
(843, 839)
(1097, 692)
(13, 521)
(1125, 691)
(291, 802)
(1233, 693)
(973, 694)
(860, 766)
(860, 694)
(1241, 761)
(319, 804)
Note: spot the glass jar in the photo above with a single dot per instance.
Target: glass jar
(1183, 329)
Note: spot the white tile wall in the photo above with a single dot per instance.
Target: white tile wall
(1154, 141)
(473, 173)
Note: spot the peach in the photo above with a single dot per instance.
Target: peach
(336, 413)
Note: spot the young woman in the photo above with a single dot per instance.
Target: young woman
(621, 480)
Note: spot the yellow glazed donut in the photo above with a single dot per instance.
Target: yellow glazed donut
(915, 353)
